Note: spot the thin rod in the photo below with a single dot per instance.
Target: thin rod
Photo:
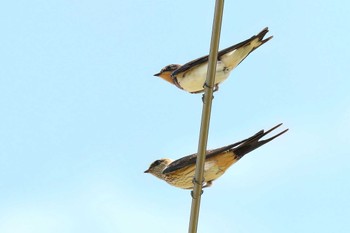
(204, 130)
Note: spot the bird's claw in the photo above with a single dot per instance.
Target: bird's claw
(203, 98)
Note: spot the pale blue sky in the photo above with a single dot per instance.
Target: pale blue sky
(82, 116)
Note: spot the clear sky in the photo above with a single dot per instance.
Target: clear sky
(82, 116)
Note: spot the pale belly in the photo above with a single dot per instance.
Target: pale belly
(193, 80)
(185, 181)
(213, 169)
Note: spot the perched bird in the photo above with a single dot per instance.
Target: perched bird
(180, 173)
(192, 75)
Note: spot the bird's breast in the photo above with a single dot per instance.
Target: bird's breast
(193, 80)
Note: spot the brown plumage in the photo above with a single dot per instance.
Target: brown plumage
(180, 173)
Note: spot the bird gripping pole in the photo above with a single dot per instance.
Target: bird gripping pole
(204, 130)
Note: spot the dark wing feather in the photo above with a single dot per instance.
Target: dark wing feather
(191, 159)
(239, 148)
(204, 59)
(255, 142)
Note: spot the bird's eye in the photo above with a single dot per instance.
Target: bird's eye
(155, 163)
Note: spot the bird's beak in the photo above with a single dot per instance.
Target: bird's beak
(157, 74)
(147, 171)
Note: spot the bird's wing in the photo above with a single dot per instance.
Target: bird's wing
(204, 59)
(190, 64)
(191, 159)
(239, 149)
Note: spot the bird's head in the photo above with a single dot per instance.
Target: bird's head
(157, 167)
(166, 72)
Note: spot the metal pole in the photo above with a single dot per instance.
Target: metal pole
(207, 102)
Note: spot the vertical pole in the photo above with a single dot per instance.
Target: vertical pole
(207, 102)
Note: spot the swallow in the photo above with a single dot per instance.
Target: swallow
(191, 76)
(180, 173)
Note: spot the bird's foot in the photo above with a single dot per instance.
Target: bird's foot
(206, 85)
(192, 195)
(203, 98)
(194, 181)
(203, 184)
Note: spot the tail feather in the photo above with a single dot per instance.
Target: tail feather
(261, 35)
(254, 142)
(235, 54)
